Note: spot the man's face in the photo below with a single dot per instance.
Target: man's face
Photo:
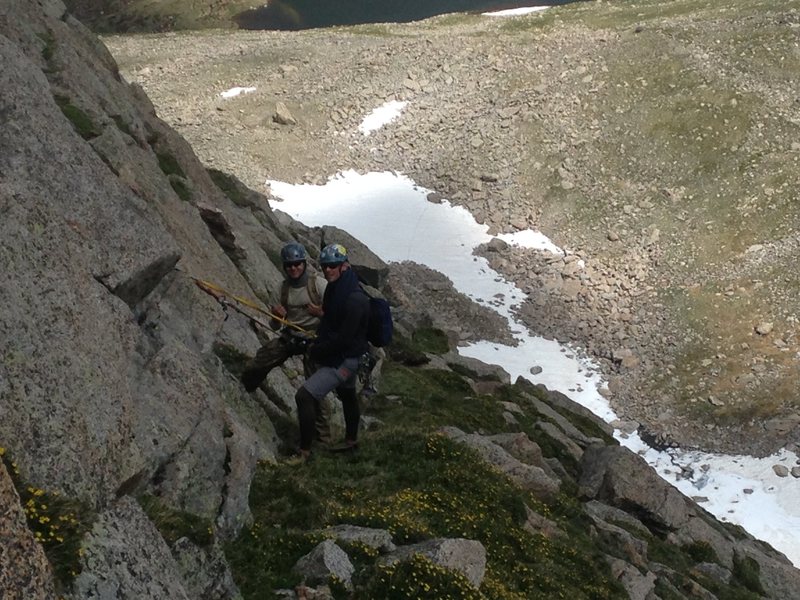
(294, 269)
(333, 272)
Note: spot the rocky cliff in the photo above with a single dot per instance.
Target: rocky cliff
(129, 448)
(108, 381)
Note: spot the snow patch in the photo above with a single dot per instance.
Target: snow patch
(235, 91)
(381, 116)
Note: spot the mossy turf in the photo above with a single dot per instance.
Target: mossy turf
(417, 486)
(174, 524)
(414, 482)
(410, 479)
(81, 122)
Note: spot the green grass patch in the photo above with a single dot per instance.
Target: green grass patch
(404, 351)
(412, 351)
(417, 486)
(49, 49)
(747, 573)
(229, 186)
(430, 340)
(418, 577)
(81, 122)
(174, 524)
(650, 13)
(371, 29)
(719, 350)
(456, 19)
(666, 592)
(232, 359)
(56, 522)
(181, 188)
(621, 15)
(433, 398)
(702, 552)
(169, 165)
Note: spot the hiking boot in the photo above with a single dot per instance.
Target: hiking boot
(300, 457)
(345, 446)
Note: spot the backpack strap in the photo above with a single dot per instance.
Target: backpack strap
(285, 294)
(313, 289)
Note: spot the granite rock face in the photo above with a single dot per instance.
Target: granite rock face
(110, 382)
(126, 557)
(24, 571)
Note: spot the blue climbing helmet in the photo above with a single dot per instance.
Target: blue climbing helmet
(333, 254)
(293, 252)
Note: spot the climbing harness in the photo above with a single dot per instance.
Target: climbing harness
(228, 300)
(366, 362)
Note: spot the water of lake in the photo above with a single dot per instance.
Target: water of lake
(310, 14)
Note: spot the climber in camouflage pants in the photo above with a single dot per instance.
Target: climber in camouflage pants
(301, 305)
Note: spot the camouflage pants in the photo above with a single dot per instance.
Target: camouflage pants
(273, 354)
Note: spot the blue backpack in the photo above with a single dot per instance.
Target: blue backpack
(380, 326)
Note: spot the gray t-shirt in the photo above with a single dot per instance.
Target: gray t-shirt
(297, 300)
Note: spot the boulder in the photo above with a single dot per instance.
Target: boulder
(521, 447)
(475, 368)
(529, 477)
(245, 451)
(639, 586)
(121, 548)
(326, 560)
(283, 115)
(557, 434)
(562, 422)
(616, 476)
(538, 524)
(598, 510)
(205, 571)
(457, 554)
(379, 539)
(778, 577)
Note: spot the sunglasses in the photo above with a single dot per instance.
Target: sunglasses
(290, 265)
(327, 266)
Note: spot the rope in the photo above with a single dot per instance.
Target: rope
(224, 298)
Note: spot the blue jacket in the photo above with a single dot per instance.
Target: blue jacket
(342, 332)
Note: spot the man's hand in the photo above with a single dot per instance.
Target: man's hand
(315, 310)
(279, 311)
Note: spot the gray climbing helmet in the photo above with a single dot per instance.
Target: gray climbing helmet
(293, 252)
(333, 254)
